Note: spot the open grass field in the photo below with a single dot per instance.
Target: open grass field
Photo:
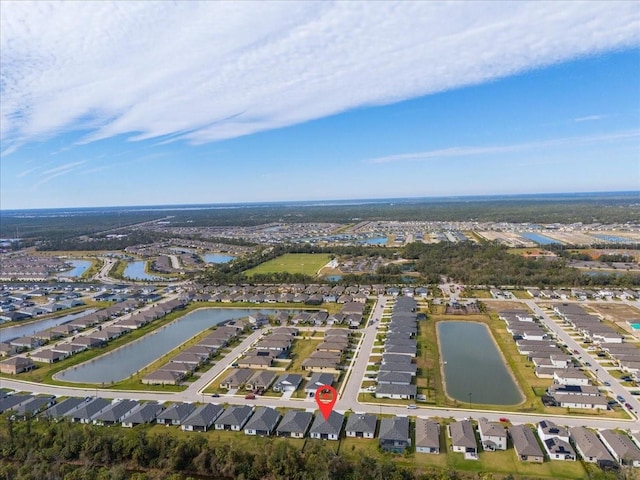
(305, 263)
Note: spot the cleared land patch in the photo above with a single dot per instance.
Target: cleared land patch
(305, 263)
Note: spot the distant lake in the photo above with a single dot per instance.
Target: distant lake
(612, 238)
(127, 360)
(79, 267)
(9, 333)
(540, 239)
(135, 271)
(375, 241)
(217, 258)
(473, 365)
(333, 278)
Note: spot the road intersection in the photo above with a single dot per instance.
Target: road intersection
(351, 386)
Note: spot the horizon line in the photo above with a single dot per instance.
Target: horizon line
(319, 202)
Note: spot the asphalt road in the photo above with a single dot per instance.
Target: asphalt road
(348, 396)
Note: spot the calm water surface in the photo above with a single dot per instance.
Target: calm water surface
(135, 271)
(79, 267)
(124, 362)
(217, 258)
(474, 365)
(18, 331)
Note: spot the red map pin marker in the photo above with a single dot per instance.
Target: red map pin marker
(326, 397)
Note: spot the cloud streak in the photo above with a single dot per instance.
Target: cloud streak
(207, 71)
(470, 151)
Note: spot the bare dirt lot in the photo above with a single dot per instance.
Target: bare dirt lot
(618, 314)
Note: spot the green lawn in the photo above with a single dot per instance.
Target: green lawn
(305, 263)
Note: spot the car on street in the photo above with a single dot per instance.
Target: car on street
(607, 384)
(621, 399)
(250, 396)
(411, 406)
(629, 407)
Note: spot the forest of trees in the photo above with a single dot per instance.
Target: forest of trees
(45, 450)
(491, 264)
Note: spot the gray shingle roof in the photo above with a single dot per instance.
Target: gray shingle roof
(146, 413)
(524, 441)
(177, 411)
(462, 434)
(330, 426)
(295, 422)
(235, 415)
(63, 407)
(264, 419)
(116, 411)
(427, 433)
(365, 423)
(204, 416)
(394, 429)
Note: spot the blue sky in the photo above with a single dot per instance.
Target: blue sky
(248, 102)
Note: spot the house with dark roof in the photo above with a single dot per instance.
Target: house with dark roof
(548, 429)
(15, 365)
(10, 402)
(525, 444)
(115, 412)
(621, 447)
(85, 412)
(145, 413)
(590, 448)
(328, 429)
(399, 392)
(294, 424)
(316, 381)
(493, 435)
(175, 414)
(263, 422)
(394, 434)
(559, 449)
(427, 436)
(394, 378)
(34, 405)
(202, 418)
(59, 409)
(234, 418)
(288, 382)
(361, 425)
(236, 378)
(261, 379)
(463, 438)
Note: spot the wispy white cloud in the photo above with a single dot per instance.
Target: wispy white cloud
(56, 172)
(470, 151)
(229, 69)
(24, 173)
(589, 118)
(64, 168)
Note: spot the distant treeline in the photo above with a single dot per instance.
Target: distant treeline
(232, 272)
(70, 451)
(491, 264)
(589, 208)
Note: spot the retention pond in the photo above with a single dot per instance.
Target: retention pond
(474, 370)
(127, 360)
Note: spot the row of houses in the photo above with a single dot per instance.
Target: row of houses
(625, 356)
(184, 363)
(77, 343)
(571, 388)
(583, 294)
(329, 354)
(397, 370)
(589, 326)
(607, 448)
